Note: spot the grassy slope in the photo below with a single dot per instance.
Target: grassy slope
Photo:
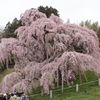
(93, 93)
(5, 72)
(93, 90)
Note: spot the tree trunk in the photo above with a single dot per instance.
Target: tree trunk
(46, 38)
(7, 64)
(85, 77)
(57, 78)
(80, 78)
(62, 81)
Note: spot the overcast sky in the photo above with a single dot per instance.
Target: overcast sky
(75, 10)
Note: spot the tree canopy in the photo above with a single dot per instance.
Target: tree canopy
(48, 10)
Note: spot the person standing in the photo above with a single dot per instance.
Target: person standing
(1, 96)
(23, 96)
(4, 96)
(19, 96)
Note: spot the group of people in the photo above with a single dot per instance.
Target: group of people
(13, 96)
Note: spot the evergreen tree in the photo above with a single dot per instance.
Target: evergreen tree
(10, 28)
(48, 10)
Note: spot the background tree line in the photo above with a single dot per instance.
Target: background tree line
(91, 25)
(10, 28)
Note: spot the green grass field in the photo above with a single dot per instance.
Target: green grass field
(92, 89)
(92, 93)
(5, 72)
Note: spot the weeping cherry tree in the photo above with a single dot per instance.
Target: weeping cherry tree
(47, 51)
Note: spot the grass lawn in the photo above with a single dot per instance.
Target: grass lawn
(5, 72)
(92, 89)
(92, 93)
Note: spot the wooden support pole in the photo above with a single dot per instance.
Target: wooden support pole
(62, 82)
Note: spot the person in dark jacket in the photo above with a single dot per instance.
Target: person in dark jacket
(1, 96)
(4, 96)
